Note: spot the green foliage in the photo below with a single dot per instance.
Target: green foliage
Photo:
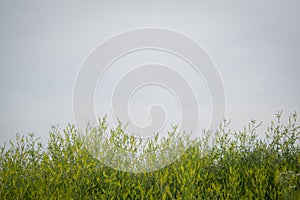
(238, 165)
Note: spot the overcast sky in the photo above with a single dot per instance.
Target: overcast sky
(255, 46)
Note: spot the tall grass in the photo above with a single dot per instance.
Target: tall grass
(238, 165)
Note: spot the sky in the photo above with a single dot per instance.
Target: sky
(255, 46)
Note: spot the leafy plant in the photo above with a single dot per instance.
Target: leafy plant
(237, 165)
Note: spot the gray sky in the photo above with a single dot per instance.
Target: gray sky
(255, 46)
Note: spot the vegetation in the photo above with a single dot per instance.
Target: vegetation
(238, 165)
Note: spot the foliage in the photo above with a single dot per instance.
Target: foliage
(238, 165)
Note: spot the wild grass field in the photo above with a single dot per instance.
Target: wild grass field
(239, 165)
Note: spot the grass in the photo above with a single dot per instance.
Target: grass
(238, 165)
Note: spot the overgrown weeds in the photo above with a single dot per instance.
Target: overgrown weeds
(238, 165)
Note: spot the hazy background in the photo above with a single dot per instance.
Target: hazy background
(255, 45)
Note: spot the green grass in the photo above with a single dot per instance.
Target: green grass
(237, 166)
